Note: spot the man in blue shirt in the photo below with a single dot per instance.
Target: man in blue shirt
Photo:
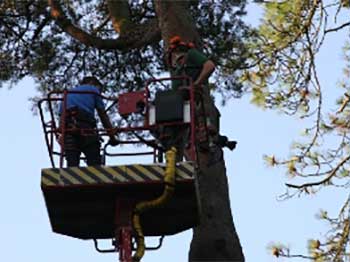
(81, 103)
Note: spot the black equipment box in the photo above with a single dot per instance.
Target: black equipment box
(169, 106)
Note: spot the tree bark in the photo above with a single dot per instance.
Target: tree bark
(120, 15)
(174, 19)
(215, 239)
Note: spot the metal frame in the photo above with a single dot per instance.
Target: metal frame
(53, 133)
(124, 207)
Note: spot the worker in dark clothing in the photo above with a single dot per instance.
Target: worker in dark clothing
(81, 137)
(185, 60)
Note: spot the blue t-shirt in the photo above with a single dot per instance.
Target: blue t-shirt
(85, 101)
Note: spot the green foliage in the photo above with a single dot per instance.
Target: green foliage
(258, 97)
(282, 75)
(31, 44)
(270, 160)
(279, 60)
(223, 37)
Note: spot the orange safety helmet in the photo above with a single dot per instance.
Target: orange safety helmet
(176, 44)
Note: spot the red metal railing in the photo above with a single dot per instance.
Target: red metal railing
(55, 131)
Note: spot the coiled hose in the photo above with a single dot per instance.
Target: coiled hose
(169, 181)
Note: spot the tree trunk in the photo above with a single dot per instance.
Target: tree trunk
(215, 239)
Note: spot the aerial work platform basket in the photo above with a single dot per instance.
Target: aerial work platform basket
(90, 202)
(129, 201)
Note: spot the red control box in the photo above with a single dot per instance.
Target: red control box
(132, 102)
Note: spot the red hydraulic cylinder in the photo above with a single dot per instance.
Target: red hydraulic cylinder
(124, 244)
(123, 228)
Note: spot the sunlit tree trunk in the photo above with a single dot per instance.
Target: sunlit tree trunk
(215, 239)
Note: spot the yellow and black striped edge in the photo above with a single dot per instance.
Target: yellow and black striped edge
(112, 174)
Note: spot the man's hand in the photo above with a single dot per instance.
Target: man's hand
(208, 69)
(197, 84)
(198, 88)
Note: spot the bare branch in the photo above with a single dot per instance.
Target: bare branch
(325, 180)
(337, 28)
(103, 24)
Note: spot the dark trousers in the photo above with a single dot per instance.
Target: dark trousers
(81, 141)
(87, 145)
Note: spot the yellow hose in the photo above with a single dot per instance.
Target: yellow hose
(169, 180)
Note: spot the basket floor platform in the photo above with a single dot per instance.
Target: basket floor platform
(86, 202)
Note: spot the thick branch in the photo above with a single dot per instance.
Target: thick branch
(120, 15)
(139, 36)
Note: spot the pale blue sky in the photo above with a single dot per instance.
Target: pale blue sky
(259, 218)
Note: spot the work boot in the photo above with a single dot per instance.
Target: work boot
(231, 145)
(224, 142)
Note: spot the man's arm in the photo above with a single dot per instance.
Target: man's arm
(107, 124)
(207, 70)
